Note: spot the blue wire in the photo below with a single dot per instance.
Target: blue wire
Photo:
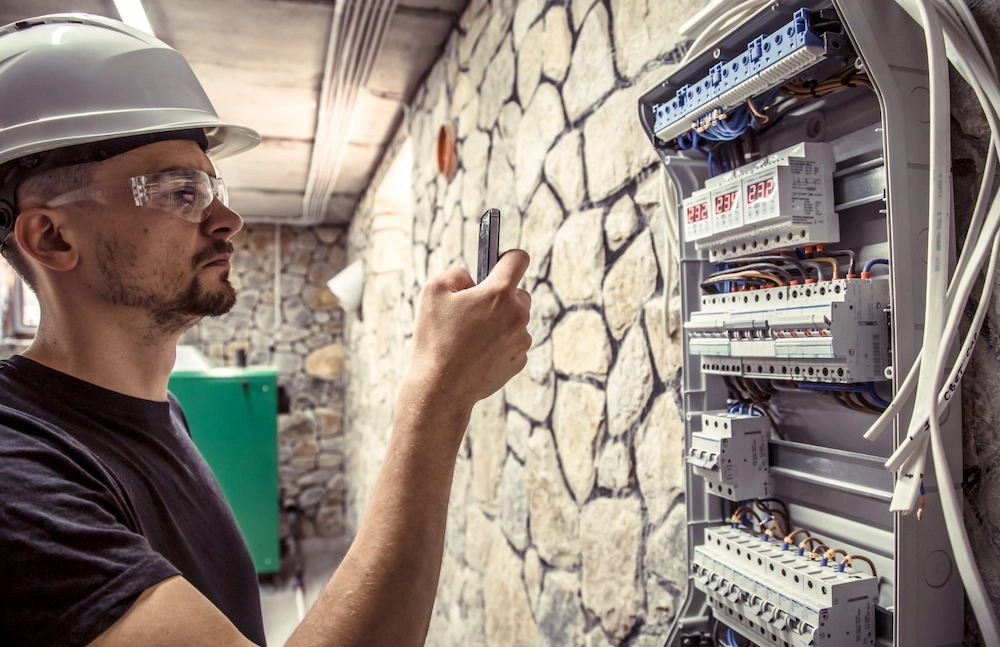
(870, 390)
(875, 261)
(821, 386)
(688, 141)
(729, 128)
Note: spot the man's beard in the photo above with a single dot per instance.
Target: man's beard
(171, 314)
(194, 303)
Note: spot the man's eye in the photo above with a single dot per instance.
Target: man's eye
(181, 197)
(185, 196)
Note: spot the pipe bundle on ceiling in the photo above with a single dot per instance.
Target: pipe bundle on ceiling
(356, 34)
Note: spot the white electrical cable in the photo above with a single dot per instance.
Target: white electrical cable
(955, 307)
(966, 48)
(965, 277)
(971, 77)
(958, 370)
(905, 391)
(672, 254)
(938, 234)
(720, 26)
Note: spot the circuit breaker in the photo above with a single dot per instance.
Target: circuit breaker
(835, 330)
(780, 597)
(730, 453)
(800, 156)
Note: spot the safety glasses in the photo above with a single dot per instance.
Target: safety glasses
(185, 193)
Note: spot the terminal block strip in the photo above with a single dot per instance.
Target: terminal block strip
(779, 598)
(768, 61)
(730, 453)
(832, 331)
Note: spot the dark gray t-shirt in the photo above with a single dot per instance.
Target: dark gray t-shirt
(102, 496)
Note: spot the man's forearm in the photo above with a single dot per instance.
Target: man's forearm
(383, 592)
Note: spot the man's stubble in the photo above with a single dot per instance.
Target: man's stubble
(156, 291)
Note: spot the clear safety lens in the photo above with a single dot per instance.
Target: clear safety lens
(185, 193)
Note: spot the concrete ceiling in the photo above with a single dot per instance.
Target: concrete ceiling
(261, 63)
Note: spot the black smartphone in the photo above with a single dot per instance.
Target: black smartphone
(489, 243)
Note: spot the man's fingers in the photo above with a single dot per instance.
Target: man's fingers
(455, 279)
(510, 267)
(524, 297)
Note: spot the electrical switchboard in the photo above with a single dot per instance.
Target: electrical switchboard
(800, 161)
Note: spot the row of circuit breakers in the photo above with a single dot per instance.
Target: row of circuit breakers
(828, 329)
(779, 592)
(825, 326)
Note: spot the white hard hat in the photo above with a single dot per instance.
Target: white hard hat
(74, 79)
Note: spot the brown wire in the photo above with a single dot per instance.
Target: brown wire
(736, 515)
(759, 505)
(849, 559)
(753, 108)
(832, 261)
(797, 531)
(755, 390)
(819, 550)
(784, 506)
(862, 404)
(775, 522)
(753, 273)
(845, 398)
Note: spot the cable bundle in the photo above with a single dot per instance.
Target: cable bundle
(949, 29)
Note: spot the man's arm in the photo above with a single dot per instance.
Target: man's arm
(467, 342)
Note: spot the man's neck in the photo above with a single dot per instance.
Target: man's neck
(126, 356)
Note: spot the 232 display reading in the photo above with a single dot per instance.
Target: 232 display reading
(725, 202)
(761, 190)
(697, 212)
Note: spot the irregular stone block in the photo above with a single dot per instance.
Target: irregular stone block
(591, 72)
(659, 456)
(554, 517)
(630, 383)
(629, 285)
(578, 259)
(580, 345)
(611, 536)
(577, 421)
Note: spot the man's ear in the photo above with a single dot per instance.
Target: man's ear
(42, 235)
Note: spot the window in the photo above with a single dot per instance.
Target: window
(25, 311)
(18, 305)
(393, 215)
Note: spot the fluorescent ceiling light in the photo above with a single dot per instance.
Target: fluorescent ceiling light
(134, 15)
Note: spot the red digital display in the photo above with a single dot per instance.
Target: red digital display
(725, 202)
(697, 213)
(761, 190)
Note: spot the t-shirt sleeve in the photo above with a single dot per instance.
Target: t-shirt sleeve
(71, 565)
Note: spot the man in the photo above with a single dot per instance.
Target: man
(112, 530)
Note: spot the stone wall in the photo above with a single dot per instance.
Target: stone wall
(567, 518)
(307, 348)
(567, 514)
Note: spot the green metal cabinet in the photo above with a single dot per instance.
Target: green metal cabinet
(233, 416)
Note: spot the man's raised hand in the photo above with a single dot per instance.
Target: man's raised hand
(468, 339)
